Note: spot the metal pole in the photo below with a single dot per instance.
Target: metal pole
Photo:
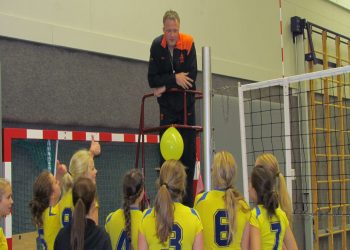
(207, 94)
(1, 118)
(287, 137)
(243, 142)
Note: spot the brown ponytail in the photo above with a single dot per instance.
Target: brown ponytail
(263, 182)
(42, 190)
(270, 162)
(133, 185)
(78, 226)
(127, 217)
(172, 181)
(84, 194)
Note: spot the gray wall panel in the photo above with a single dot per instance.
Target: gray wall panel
(44, 84)
(52, 85)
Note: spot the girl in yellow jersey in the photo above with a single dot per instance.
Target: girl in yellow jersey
(44, 208)
(223, 211)
(171, 225)
(5, 207)
(122, 225)
(269, 228)
(270, 162)
(81, 165)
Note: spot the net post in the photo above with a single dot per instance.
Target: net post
(207, 127)
(1, 117)
(287, 139)
(305, 166)
(243, 142)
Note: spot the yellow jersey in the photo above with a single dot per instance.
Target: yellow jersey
(212, 211)
(186, 227)
(272, 229)
(51, 227)
(3, 241)
(115, 225)
(66, 208)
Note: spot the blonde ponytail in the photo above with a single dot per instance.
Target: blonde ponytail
(224, 170)
(284, 199)
(164, 209)
(231, 207)
(172, 181)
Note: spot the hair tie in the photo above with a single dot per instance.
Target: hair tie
(268, 195)
(165, 184)
(264, 197)
(227, 188)
(277, 174)
(69, 173)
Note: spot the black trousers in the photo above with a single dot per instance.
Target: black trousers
(169, 116)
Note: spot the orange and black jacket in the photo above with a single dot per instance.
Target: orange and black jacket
(162, 69)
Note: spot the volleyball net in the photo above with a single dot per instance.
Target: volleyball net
(304, 120)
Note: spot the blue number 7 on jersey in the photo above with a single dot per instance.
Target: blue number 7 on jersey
(276, 227)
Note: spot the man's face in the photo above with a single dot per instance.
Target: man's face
(171, 32)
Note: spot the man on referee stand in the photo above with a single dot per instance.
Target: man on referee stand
(173, 64)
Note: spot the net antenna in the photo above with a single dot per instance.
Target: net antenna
(56, 157)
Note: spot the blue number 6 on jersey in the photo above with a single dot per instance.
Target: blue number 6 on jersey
(221, 228)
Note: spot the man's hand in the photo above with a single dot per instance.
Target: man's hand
(159, 91)
(183, 80)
